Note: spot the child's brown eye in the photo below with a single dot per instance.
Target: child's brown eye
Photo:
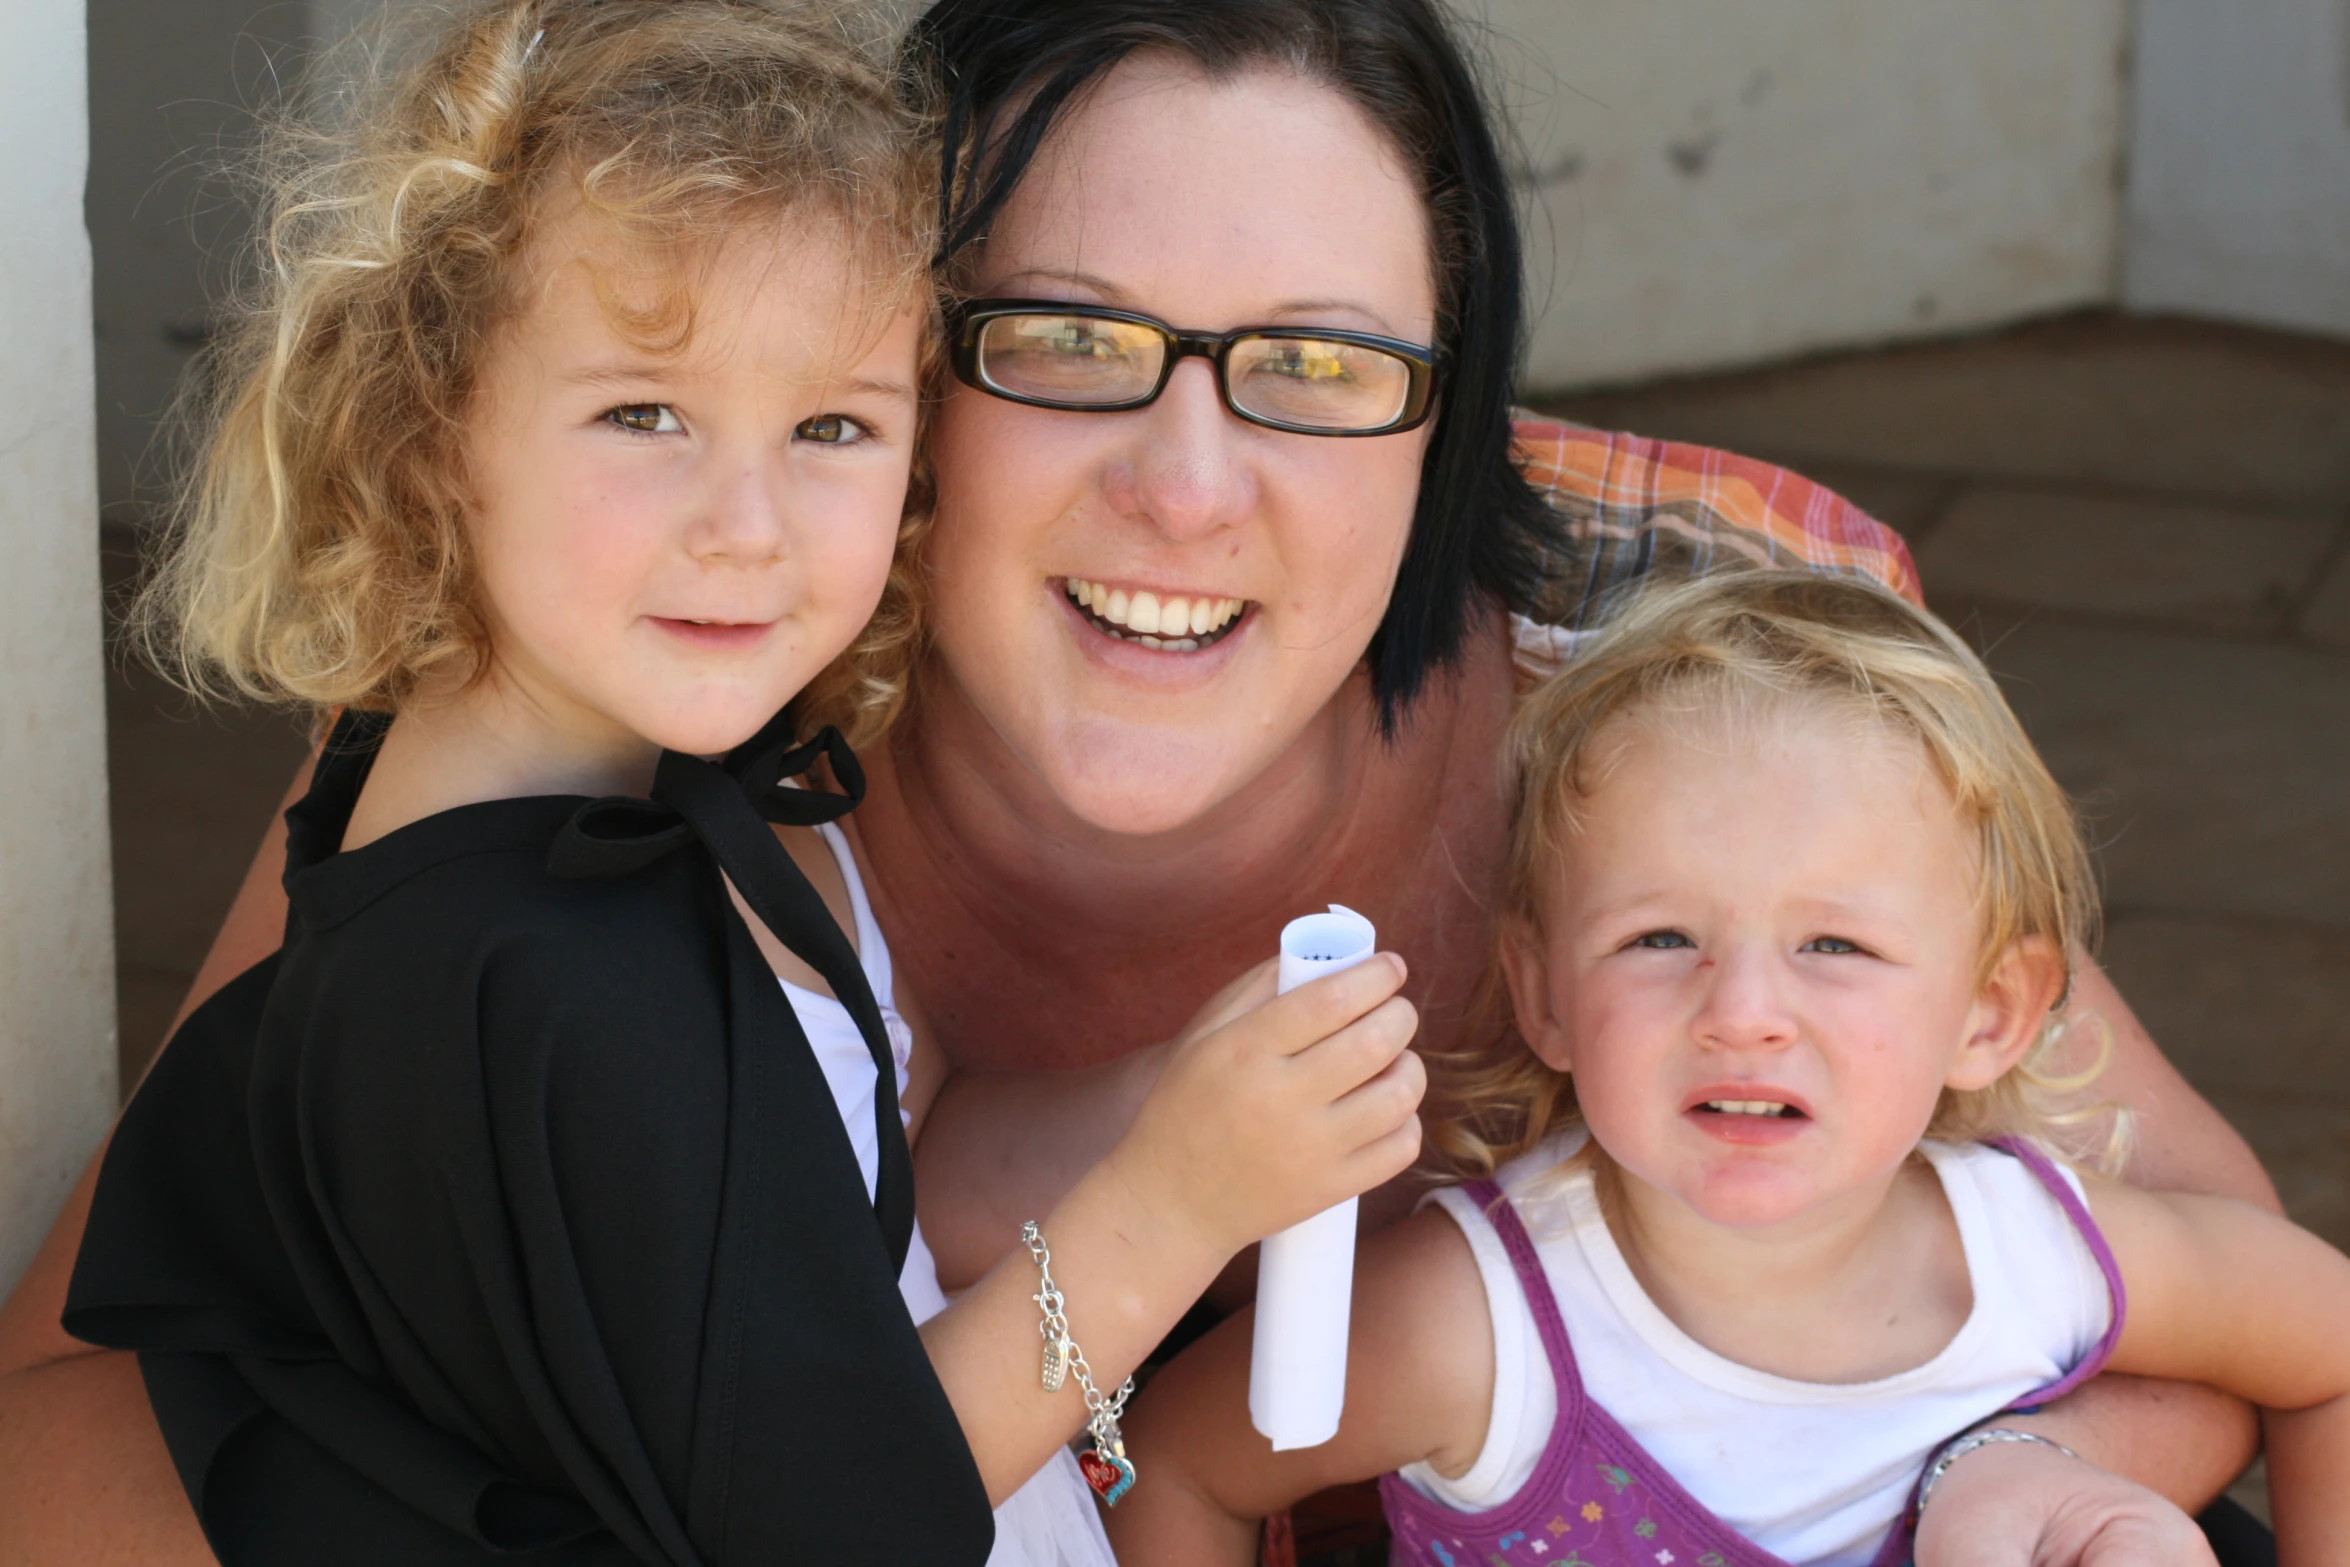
(645, 418)
(830, 429)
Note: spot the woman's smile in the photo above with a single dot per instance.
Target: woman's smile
(1170, 622)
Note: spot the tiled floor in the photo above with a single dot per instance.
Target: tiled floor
(2146, 523)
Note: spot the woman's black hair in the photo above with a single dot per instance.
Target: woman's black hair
(1005, 70)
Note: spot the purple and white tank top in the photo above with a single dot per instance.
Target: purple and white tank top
(1618, 1441)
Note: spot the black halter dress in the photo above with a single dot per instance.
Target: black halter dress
(504, 1214)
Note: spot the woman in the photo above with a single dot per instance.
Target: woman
(1076, 834)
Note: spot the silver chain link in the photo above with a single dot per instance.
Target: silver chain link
(1062, 1357)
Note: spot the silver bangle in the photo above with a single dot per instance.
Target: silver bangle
(1959, 1446)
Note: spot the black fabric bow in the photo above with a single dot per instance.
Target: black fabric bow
(726, 807)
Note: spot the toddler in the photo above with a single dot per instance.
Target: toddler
(514, 1210)
(1771, 1203)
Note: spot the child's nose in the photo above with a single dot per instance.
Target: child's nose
(741, 521)
(1743, 1007)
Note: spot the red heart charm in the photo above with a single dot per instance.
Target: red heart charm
(1110, 1475)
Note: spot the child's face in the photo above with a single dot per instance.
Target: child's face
(1782, 914)
(670, 544)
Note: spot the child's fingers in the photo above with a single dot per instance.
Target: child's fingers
(1331, 1068)
(1236, 1000)
(1385, 1157)
(1321, 1008)
(1379, 1105)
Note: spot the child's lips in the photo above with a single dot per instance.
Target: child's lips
(715, 636)
(1748, 1115)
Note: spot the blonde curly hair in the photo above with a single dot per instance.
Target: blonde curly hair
(1748, 644)
(318, 551)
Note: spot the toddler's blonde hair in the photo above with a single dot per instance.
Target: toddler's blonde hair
(319, 554)
(1746, 646)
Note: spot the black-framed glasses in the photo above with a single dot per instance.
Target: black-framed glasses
(1084, 358)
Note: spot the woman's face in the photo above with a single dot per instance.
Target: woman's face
(1264, 200)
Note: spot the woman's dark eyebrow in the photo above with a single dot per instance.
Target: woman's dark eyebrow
(1111, 294)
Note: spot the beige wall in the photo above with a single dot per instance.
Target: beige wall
(57, 1075)
(1718, 184)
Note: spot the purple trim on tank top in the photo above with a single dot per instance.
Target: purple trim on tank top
(1581, 1427)
(2061, 1189)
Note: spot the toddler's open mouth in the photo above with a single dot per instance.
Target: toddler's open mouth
(1769, 1107)
(1747, 1118)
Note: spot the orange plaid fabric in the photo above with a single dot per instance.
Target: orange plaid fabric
(1639, 511)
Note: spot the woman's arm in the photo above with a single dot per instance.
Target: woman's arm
(2182, 1144)
(1419, 1387)
(2223, 1293)
(84, 1476)
(2185, 1441)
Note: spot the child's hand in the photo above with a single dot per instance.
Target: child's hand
(1274, 1107)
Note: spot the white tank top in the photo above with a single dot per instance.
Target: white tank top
(1050, 1521)
(1812, 1472)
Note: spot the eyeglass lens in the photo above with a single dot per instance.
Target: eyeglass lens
(1097, 361)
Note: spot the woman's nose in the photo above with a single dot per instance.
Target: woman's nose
(1743, 1006)
(1184, 474)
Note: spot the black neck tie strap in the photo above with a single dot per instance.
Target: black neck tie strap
(727, 809)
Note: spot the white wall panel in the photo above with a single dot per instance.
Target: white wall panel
(57, 1068)
(1721, 184)
(2239, 200)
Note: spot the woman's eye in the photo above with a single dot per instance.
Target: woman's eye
(1833, 945)
(830, 429)
(646, 418)
(1306, 363)
(1662, 941)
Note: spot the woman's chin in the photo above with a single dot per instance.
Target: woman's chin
(1147, 791)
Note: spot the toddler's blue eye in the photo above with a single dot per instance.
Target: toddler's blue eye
(646, 418)
(1833, 945)
(830, 429)
(1662, 940)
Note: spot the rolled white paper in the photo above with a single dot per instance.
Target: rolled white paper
(1306, 1273)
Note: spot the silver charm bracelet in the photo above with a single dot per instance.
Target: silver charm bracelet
(1106, 1468)
(1959, 1446)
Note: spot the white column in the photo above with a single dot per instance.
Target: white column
(57, 1069)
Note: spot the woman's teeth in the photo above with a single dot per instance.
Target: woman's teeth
(1171, 625)
(1748, 1107)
